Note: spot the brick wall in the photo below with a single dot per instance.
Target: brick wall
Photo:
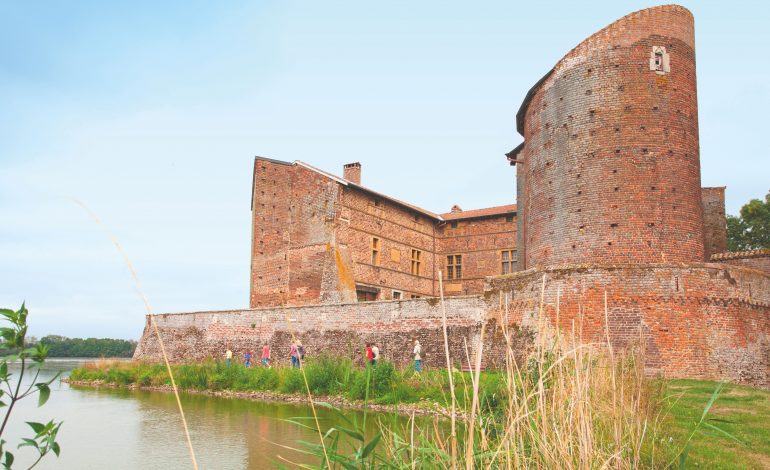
(610, 167)
(704, 321)
(754, 259)
(714, 220)
(295, 257)
(399, 230)
(313, 237)
(339, 330)
(479, 242)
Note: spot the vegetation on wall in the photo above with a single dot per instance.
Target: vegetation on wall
(751, 229)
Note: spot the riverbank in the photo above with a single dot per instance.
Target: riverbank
(335, 381)
(422, 408)
(679, 413)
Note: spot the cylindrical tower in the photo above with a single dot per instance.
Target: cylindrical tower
(610, 169)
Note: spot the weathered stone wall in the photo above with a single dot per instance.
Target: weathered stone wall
(610, 170)
(754, 259)
(338, 330)
(706, 321)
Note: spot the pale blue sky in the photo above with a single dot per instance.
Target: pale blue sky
(151, 113)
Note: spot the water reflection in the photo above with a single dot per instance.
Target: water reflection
(130, 429)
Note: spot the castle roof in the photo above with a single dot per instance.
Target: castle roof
(486, 212)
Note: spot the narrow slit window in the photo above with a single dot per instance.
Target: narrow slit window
(375, 251)
(416, 262)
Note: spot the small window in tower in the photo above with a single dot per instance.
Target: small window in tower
(659, 60)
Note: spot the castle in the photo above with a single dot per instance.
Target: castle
(609, 211)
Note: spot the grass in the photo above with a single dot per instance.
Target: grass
(326, 376)
(741, 411)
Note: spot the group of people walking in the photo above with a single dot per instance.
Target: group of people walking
(297, 355)
(248, 355)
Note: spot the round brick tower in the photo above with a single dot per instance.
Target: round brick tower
(609, 172)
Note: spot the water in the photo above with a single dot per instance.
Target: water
(134, 429)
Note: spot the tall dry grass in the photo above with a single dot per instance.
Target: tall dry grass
(571, 405)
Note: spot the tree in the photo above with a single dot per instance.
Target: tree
(751, 229)
(30, 359)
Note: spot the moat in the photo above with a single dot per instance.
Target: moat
(129, 429)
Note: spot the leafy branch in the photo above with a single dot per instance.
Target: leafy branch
(30, 359)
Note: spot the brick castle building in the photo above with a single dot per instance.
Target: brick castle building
(321, 238)
(612, 235)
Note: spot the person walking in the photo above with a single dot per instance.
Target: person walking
(300, 353)
(369, 354)
(294, 355)
(266, 355)
(417, 356)
(228, 357)
(247, 359)
(375, 354)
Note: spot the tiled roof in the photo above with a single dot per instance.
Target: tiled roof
(486, 212)
(759, 253)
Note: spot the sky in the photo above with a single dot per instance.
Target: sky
(150, 114)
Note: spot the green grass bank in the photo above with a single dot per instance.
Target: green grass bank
(739, 438)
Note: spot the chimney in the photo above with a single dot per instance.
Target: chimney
(456, 209)
(352, 172)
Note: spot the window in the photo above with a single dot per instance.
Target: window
(414, 296)
(366, 293)
(508, 259)
(659, 60)
(453, 224)
(509, 218)
(454, 267)
(416, 262)
(375, 251)
(397, 295)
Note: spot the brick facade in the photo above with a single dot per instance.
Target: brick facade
(318, 238)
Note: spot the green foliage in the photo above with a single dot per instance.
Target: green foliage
(30, 359)
(61, 346)
(751, 229)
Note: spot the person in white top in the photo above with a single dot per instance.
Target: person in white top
(417, 357)
(376, 352)
(228, 357)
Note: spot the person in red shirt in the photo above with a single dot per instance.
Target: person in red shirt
(369, 354)
(266, 355)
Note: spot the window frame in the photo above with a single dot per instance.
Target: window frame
(454, 267)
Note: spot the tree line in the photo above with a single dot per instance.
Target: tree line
(62, 346)
(751, 229)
